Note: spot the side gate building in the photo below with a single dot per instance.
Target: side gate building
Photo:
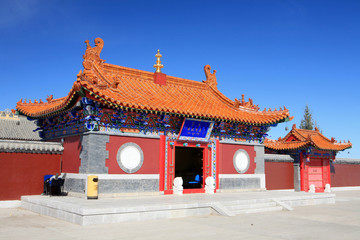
(309, 159)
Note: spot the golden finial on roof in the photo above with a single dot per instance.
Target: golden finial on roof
(158, 64)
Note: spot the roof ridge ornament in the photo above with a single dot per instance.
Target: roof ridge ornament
(49, 98)
(249, 104)
(92, 54)
(159, 77)
(158, 66)
(210, 77)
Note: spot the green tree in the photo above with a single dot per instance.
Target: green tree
(307, 122)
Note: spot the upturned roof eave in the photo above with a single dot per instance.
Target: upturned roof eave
(67, 104)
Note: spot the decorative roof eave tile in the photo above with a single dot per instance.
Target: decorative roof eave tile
(97, 94)
(31, 147)
(294, 145)
(319, 142)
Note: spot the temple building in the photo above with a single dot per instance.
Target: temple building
(138, 131)
(312, 154)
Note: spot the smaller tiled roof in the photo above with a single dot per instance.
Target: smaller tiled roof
(30, 147)
(300, 139)
(14, 127)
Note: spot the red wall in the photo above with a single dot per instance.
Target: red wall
(149, 146)
(279, 175)
(71, 155)
(345, 175)
(23, 173)
(226, 161)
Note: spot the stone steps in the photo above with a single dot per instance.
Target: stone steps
(253, 206)
(259, 210)
(250, 206)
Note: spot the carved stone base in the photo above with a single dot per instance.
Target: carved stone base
(210, 185)
(327, 188)
(312, 188)
(178, 186)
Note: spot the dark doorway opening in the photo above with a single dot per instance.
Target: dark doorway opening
(189, 166)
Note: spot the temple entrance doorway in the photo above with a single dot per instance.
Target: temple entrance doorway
(189, 164)
(315, 174)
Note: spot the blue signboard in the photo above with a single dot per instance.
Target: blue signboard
(196, 130)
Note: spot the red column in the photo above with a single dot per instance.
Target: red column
(326, 171)
(162, 162)
(302, 172)
(170, 168)
(217, 162)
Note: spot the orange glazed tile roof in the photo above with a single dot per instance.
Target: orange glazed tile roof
(301, 138)
(122, 87)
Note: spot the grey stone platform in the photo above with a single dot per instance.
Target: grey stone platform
(141, 208)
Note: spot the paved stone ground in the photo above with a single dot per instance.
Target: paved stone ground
(331, 221)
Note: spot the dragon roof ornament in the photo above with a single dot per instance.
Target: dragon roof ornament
(210, 77)
(92, 54)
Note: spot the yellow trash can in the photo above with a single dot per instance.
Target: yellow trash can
(92, 187)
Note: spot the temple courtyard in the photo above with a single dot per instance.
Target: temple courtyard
(340, 220)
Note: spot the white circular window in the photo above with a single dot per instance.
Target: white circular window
(130, 157)
(241, 161)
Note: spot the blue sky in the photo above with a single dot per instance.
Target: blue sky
(277, 52)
